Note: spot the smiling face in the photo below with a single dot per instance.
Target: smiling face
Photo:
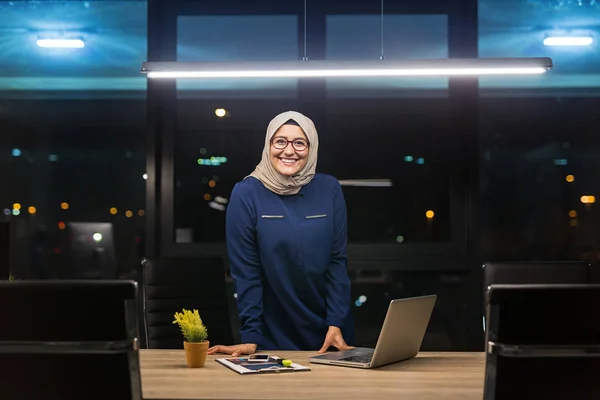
(289, 150)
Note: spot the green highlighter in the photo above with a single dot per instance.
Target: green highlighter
(285, 363)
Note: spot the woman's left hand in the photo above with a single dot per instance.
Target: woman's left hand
(334, 338)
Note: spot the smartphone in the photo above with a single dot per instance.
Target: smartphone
(258, 357)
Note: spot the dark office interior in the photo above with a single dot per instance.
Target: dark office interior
(109, 175)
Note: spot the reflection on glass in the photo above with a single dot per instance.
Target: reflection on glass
(563, 31)
(538, 172)
(237, 38)
(91, 172)
(72, 46)
(358, 37)
(389, 154)
(211, 156)
(71, 161)
(221, 123)
(387, 196)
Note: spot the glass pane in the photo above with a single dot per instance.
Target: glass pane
(529, 29)
(237, 38)
(402, 142)
(415, 208)
(221, 123)
(391, 129)
(73, 175)
(358, 37)
(73, 188)
(212, 154)
(539, 182)
(112, 33)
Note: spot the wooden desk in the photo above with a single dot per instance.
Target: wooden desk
(165, 376)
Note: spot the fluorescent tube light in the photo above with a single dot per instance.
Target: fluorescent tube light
(568, 41)
(322, 69)
(61, 43)
(367, 182)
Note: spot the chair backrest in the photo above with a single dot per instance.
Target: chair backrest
(542, 341)
(69, 340)
(536, 272)
(544, 314)
(171, 284)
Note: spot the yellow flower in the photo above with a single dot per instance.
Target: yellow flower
(191, 326)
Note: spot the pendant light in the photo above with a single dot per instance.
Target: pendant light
(331, 69)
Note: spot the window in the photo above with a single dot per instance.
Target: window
(539, 185)
(73, 189)
(394, 142)
(369, 130)
(105, 47)
(390, 143)
(221, 124)
(395, 129)
(237, 38)
(69, 166)
(358, 37)
(539, 146)
(532, 29)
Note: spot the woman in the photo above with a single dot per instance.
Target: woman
(286, 241)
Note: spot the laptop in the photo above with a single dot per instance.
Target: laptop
(400, 338)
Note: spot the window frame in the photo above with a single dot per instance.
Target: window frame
(162, 103)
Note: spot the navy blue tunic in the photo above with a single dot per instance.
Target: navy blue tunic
(288, 260)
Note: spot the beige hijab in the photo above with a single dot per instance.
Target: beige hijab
(266, 173)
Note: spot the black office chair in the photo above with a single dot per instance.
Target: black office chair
(171, 284)
(535, 272)
(543, 342)
(69, 340)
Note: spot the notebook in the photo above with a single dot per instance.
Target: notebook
(241, 365)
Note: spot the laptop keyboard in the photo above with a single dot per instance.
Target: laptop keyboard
(361, 358)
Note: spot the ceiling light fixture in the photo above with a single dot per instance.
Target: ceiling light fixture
(568, 41)
(61, 43)
(367, 182)
(324, 69)
(330, 69)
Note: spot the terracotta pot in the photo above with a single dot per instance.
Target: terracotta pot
(195, 353)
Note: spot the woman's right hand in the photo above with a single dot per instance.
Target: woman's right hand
(235, 351)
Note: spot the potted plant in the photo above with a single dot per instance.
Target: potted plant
(195, 335)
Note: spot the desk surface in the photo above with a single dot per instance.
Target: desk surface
(166, 376)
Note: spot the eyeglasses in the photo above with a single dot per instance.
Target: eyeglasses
(297, 144)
